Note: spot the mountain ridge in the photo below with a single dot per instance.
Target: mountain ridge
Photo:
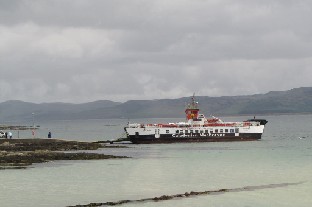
(297, 100)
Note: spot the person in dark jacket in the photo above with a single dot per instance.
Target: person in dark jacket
(49, 135)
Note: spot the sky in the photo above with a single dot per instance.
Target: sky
(81, 51)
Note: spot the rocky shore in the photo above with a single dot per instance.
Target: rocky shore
(11, 127)
(188, 195)
(46, 144)
(19, 153)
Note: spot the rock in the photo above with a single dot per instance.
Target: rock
(23, 152)
(46, 144)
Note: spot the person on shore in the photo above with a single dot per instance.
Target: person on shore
(10, 135)
(49, 135)
(6, 135)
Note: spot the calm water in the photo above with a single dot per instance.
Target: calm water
(284, 155)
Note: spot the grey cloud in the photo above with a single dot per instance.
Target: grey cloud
(79, 50)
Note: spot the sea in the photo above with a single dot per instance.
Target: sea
(275, 171)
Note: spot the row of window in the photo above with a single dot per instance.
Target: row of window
(206, 131)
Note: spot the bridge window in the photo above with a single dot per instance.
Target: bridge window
(221, 130)
(226, 130)
(216, 130)
(167, 131)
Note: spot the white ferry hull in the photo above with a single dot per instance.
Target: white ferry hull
(197, 128)
(146, 139)
(150, 135)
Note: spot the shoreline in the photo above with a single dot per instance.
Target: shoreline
(21, 153)
(14, 127)
(188, 195)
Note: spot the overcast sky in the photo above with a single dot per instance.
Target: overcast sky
(80, 50)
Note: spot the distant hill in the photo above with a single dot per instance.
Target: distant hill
(298, 100)
(19, 110)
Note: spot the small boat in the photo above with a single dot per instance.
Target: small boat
(196, 128)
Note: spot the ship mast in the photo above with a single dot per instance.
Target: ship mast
(192, 109)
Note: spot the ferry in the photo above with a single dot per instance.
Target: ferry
(196, 128)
